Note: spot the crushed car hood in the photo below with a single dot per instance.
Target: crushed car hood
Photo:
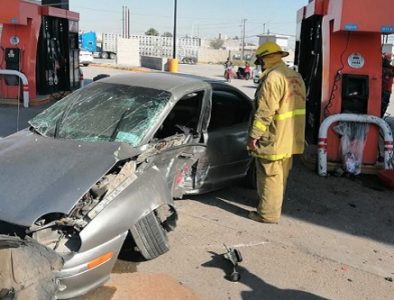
(42, 175)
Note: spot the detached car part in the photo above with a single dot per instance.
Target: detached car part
(234, 256)
(27, 269)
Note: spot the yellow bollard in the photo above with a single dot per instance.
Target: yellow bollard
(172, 64)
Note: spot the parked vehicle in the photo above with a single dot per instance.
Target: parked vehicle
(256, 75)
(191, 60)
(102, 46)
(248, 56)
(106, 162)
(85, 57)
(244, 72)
(88, 41)
(237, 56)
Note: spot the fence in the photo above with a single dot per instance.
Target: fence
(163, 46)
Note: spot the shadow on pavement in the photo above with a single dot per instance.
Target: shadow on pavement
(259, 289)
(360, 205)
(251, 86)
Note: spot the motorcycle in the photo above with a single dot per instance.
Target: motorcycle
(244, 72)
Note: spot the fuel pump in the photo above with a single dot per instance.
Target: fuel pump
(51, 56)
(339, 55)
(40, 46)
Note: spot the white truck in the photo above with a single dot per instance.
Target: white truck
(107, 45)
(102, 45)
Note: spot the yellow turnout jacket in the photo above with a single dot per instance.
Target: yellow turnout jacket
(279, 121)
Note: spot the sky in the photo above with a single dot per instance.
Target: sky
(203, 18)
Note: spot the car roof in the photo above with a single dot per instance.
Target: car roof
(176, 84)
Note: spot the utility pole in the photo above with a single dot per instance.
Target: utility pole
(243, 38)
(123, 21)
(264, 24)
(174, 35)
(128, 23)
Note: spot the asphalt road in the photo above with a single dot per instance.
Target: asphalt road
(335, 239)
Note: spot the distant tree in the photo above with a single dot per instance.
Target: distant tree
(236, 37)
(216, 43)
(152, 31)
(167, 34)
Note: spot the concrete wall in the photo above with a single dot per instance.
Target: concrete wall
(207, 55)
(151, 62)
(128, 52)
(234, 45)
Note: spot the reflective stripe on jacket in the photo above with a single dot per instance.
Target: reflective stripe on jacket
(279, 121)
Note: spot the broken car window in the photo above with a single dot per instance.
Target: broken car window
(228, 109)
(103, 112)
(184, 116)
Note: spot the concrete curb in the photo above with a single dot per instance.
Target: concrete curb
(122, 67)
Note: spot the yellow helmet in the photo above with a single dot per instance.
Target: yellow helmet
(268, 48)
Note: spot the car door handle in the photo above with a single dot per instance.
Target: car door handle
(186, 155)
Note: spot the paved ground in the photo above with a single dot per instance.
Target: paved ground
(335, 240)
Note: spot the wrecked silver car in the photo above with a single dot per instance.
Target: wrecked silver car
(105, 163)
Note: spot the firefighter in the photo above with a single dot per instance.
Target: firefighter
(276, 131)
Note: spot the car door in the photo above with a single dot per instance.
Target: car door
(180, 141)
(226, 157)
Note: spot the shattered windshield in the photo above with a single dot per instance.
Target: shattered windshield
(103, 112)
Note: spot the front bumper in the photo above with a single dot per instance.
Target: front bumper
(76, 279)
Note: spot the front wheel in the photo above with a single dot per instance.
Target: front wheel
(104, 55)
(150, 236)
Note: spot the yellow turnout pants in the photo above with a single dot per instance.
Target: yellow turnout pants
(271, 186)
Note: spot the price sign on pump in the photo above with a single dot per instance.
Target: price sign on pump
(356, 60)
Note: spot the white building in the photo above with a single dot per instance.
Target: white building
(281, 40)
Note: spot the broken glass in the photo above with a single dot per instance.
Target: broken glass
(103, 112)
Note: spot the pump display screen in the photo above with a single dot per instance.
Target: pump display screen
(355, 86)
(355, 93)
